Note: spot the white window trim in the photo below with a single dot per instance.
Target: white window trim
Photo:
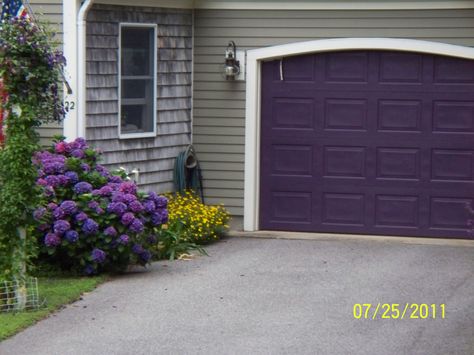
(155, 83)
(252, 106)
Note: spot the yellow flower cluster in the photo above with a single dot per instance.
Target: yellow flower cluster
(201, 223)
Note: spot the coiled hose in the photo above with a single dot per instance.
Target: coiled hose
(187, 172)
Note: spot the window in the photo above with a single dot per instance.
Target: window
(137, 76)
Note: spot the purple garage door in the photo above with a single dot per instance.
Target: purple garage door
(373, 142)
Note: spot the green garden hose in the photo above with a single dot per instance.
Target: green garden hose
(187, 172)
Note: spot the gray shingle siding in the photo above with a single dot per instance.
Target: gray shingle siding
(153, 156)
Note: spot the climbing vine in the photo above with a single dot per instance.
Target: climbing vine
(30, 70)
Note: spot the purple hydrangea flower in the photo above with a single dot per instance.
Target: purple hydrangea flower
(136, 226)
(71, 236)
(42, 182)
(90, 226)
(93, 205)
(115, 179)
(58, 213)
(52, 240)
(149, 206)
(145, 256)
(77, 153)
(69, 207)
(159, 217)
(98, 255)
(124, 239)
(152, 195)
(81, 217)
(106, 191)
(72, 176)
(99, 210)
(118, 196)
(138, 249)
(63, 180)
(80, 143)
(39, 213)
(129, 198)
(85, 167)
(119, 208)
(136, 206)
(127, 218)
(52, 180)
(110, 231)
(161, 202)
(60, 227)
(128, 187)
(102, 170)
(164, 216)
(82, 188)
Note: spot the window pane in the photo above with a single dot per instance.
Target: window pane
(137, 51)
(135, 89)
(134, 119)
(137, 99)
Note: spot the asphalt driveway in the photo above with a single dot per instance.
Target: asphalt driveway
(271, 296)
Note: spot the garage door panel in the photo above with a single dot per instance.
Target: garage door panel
(452, 165)
(453, 116)
(343, 209)
(367, 142)
(449, 213)
(399, 67)
(398, 163)
(346, 67)
(344, 162)
(291, 113)
(399, 115)
(345, 114)
(453, 70)
(292, 160)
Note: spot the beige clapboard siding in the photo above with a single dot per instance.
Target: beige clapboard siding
(219, 106)
(153, 156)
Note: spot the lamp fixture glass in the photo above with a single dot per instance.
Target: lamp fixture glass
(231, 65)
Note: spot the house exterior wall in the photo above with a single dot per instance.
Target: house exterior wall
(153, 156)
(50, 12)
(219, 106)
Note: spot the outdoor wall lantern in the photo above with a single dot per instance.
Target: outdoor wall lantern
(232, 65)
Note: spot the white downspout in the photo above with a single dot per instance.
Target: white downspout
(81, 67)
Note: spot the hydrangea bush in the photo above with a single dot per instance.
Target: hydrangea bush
(90, 219)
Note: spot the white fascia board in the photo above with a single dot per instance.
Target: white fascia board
(255, 57)
(332, 5)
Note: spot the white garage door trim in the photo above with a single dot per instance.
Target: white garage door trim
(252, 108)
